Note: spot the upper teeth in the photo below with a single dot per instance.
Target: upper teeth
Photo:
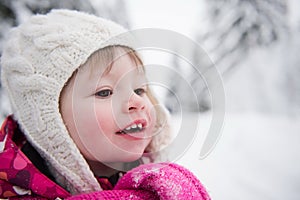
(140, 126)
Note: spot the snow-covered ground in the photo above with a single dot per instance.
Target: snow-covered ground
(257, 157)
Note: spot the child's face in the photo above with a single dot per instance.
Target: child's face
(99, 108)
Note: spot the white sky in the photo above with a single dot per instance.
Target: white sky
(179, 16)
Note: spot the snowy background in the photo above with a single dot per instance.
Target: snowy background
(255, 46)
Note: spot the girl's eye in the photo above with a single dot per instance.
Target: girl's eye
(139, 91)
(104, 93)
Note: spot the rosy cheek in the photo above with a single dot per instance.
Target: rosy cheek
(105, 122)
(103, 125)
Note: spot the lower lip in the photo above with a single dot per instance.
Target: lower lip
(135, 136)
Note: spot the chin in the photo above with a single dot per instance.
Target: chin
(130, 157)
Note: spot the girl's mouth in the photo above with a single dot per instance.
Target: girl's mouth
(136, 126)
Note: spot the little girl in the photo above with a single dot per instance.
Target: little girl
(83, 115)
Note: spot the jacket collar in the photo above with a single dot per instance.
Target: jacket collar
(18, 175)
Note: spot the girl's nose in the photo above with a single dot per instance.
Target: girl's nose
(135, 103)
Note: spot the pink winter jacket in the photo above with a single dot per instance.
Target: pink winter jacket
(20, 178)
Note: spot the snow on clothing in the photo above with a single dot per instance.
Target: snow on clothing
(19, 177)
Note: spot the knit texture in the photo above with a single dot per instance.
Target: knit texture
(38, 58)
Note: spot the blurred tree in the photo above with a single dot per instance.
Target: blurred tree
(234, 29)
(261, 29)
(174, 89)
(187, 87)
(237, 26)
(14, 12)
(114, 10)
(291, 81)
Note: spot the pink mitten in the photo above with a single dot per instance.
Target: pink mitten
(165, 180)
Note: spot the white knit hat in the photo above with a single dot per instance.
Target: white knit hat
(38, 59)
